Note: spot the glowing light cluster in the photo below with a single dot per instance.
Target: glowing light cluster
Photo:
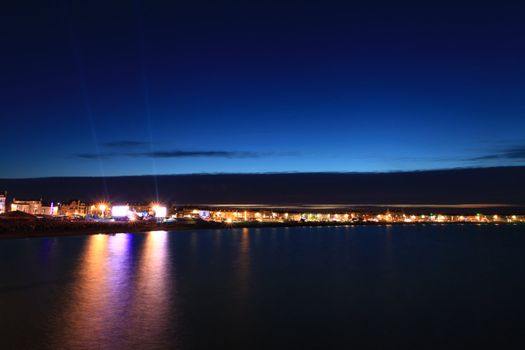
(160, 211)
(120, 211)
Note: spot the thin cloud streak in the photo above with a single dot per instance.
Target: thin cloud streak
(513, 153)
(180, 154)
(92, 156)
(208, 154)
(123, 144)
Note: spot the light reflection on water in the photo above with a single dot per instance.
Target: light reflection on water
(112, 289)
(244, 263)
(152, 292)
(100, 277)
(266, 288)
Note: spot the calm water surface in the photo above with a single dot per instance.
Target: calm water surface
(412, 287)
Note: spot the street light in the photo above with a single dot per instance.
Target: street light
(102, 208)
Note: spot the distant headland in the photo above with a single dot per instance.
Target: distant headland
(432, 187)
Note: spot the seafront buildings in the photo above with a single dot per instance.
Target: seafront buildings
(74, 208)
(269, 216)
(34, 207)
(136, 211)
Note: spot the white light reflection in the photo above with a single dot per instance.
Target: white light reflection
(99, 295)
(153, 295)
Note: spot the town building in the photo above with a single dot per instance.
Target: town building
(50, 209)
(34, 207)
(74, 208)
(3, 203)
(30, 207)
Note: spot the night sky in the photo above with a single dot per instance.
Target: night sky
(100, 88)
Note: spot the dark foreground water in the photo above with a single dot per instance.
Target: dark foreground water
(411, 287)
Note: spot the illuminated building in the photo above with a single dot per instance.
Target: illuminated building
(188, 213)
(2, 203)
(29, 207)
(34, 207)
(73, 208)
(49, 209)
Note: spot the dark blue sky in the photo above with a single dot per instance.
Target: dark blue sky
(126, 87)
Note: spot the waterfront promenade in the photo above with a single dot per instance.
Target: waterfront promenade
(43, 227)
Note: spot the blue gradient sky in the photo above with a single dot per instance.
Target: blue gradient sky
(130, 88)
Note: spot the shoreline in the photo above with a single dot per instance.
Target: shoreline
(46, 229)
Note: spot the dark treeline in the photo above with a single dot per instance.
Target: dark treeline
(480, 185)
